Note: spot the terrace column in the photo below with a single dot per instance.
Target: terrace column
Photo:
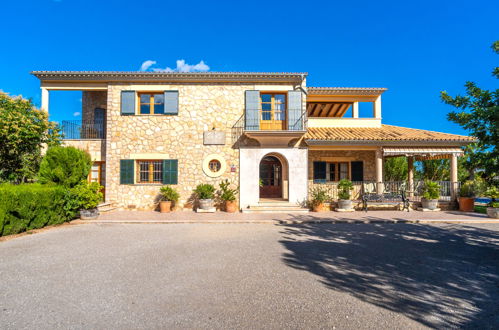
(379, 171)
(410, 175)
(355, 110)
(45, 100)
(453, 177)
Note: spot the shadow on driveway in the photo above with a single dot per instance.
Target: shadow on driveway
(445, 276)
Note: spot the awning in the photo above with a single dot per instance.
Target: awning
(423, 153)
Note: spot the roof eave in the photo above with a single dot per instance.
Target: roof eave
(459, 143)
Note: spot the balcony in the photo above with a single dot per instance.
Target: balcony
(83, 130)
(269, 130)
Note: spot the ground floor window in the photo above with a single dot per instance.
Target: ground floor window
(336, 171)
(150, 171)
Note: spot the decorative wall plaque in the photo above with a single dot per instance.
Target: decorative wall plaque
(214, 137)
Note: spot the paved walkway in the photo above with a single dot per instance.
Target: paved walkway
(224, 276)
(334, 217)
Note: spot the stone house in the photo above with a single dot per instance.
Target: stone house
(268, 133)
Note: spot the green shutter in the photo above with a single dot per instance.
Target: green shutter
(128, 103)
(295, 119)
(170, 171)
(171, 103)
(357, 171)
(319, 172)
(126, 171)
(252, 110)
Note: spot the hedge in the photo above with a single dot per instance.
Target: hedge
(31, 206)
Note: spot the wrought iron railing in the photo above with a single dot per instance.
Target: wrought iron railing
(83, 130)
(257, 124)
(414, 191)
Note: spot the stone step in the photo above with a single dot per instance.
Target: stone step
(275, 207)
(106, 207)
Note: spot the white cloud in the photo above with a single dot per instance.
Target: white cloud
(146, 65)
(76, 114)
(181, 67)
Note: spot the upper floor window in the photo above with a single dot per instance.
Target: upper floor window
(151, 103)
(273, 106)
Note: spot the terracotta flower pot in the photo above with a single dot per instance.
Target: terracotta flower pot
(230, 206)
(466, 204)
(165, 206)
(318, 207)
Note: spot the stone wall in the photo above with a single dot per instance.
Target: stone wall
(91, 100)
(366, 156)
(202, 107)
(96, 148)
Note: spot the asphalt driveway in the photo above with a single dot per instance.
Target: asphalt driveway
(252, 276)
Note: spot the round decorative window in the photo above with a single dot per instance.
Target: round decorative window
(214, 165)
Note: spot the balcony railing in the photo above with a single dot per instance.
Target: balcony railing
(295, 123)
(414, 192)
(83, 130)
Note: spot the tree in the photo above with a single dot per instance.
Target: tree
(478, 112)
(396, 169)
(24, 130)
(66, 166)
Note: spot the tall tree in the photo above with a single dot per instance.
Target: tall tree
(396, 169)
(478, 112)
(24, 131)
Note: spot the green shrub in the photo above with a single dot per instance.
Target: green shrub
(345, 186)
(319, 195)
(431, 190)
(66, 166)
(227, 193)
(472, 188)
(84, 196)
(205, 191)
(169, 193)
(493, 193)
(31, 206)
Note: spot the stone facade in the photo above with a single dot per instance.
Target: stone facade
(91, 100)
(202, 107)
(366, 156)
(96, 148)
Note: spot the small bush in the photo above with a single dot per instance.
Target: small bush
(84, 196)
(493, 193)
(169, 193)
(472, 188)
(431, 190)
(205, 191)
(344, 186)
(227, 193)
(31, 206)
(66, 166)
(319, 195)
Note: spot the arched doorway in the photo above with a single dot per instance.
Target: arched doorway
(271, 177)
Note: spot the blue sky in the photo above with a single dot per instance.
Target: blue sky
(415, 49)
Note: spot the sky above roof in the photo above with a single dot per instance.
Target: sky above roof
(414, 49)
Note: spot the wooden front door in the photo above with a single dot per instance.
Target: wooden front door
(270, 178)
(97, 174)
(273, 111)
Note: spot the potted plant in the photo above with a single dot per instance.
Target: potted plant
(431, 193)
(228, 196)
(168, 195)
(86, 197)
(493, 207)
(345, 186)
(319, 197)
(469, 190)
(205, 193)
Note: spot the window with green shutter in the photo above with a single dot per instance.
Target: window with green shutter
(170, 171)
(127, 171)
(319, 172)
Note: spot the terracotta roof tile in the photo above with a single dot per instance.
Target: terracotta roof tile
(383, 133)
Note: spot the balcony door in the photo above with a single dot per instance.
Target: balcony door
(273, 111)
